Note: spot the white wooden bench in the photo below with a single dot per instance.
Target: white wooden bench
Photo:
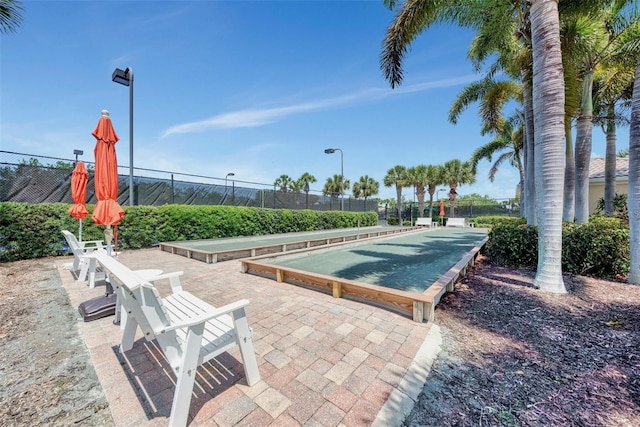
(456, 222)
(425, 222)
(189, 331)
(459, 222)
(79, 250)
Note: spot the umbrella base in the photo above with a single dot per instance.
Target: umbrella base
(97, 308)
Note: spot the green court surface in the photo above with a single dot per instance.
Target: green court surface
(235, 243)
(408, 261)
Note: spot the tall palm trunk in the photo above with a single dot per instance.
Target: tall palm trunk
(583, 150)
(421, 194)
(610, 162)
(633, 200)
(529, 190)
(452, 201)
(568, 213)
(548, 113)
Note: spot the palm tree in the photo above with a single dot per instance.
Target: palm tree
(284, 183)
(509, 133)
(633, 198)
(304, 180)
(613, 84)
(548, 113)
(302, 183)
(335, 186)
(417, 177)
(455, 173)
(365, 187)
(511, 138)
(492, 95)
(612, 32)
(10, 15)
(397, 176)
(434, 178)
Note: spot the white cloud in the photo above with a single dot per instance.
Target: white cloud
(261, 117)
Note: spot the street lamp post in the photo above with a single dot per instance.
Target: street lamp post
(331, 151)
(126, 78)
(77, 153)
(225, 182)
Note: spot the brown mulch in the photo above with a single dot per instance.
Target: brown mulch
(516, 356)
(512, 355)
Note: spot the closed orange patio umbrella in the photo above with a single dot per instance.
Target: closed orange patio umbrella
(441, 207)
(79, 178)
(107, 210)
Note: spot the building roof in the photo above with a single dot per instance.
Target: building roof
(596, 167)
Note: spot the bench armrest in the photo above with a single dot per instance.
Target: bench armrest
(187, 323)
(174, 280)
(96, 243)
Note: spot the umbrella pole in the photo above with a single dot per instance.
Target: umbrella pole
(80, 230)
(108, 237)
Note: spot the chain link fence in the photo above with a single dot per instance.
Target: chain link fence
(38, 179)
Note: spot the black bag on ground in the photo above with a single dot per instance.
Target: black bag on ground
(99, 307)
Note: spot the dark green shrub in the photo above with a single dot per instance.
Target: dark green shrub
(492, 220)
(392, 221)
(513, 245)
(599, 248)
(34, 230)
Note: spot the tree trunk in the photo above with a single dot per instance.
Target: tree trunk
(584, 129)
(568, 213)
(610, 163)
(548, 113)
(633, 200)
(431, 191)
(421, 202)
(529, 190)
(399, 203)
(452, 202)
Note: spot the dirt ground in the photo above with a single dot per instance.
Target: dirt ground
(512, 355)
(46, 376)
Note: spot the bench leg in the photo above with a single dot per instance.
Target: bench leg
(128, 333)
(245, 342)
(84, 268)
(186, 377)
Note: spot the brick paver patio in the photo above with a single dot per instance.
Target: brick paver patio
(323, 361)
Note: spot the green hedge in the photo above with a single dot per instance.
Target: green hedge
(33, 230)
(493, 220)
(598, 248)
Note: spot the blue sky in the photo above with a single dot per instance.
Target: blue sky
(257, 88)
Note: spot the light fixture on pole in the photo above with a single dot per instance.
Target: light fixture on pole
(225, 178)
(331, 151)
(77, 153)
(125, 78)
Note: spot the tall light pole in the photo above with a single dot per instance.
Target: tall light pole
(225, 183)
(126, 78)
(225, 178)
(331, 151)
(77, 153)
